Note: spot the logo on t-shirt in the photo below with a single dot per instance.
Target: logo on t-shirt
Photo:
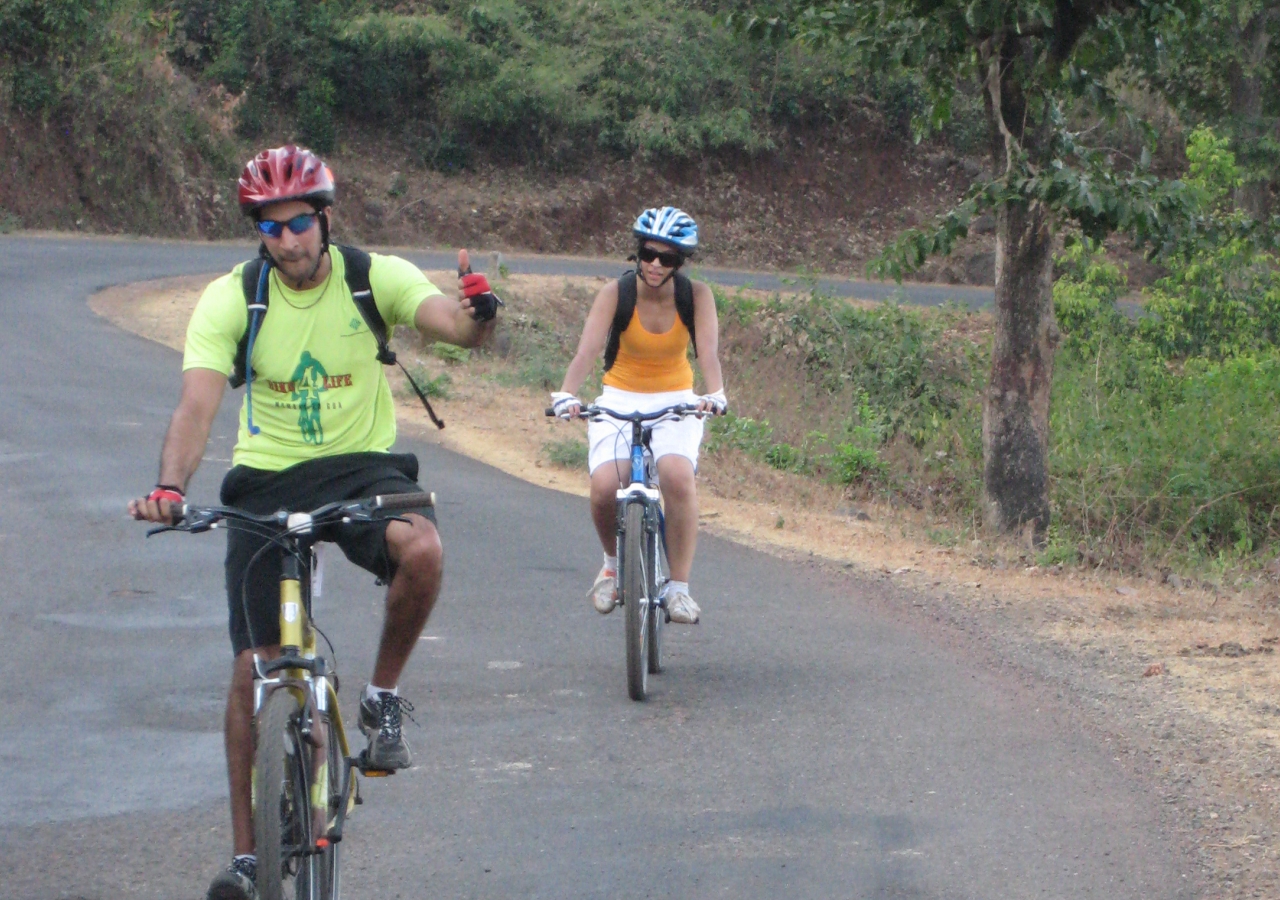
(309, 380)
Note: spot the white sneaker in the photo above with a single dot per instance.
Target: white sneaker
(682, 609)
(604, 593)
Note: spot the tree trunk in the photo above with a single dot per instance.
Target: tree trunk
(1015, 416)
(1245, 75)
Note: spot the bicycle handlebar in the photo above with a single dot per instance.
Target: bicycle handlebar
(592, 411)
(202, 518)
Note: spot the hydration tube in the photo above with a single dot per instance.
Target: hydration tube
(257, 309)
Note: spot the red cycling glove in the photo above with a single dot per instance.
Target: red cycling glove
(475, 284)
(166, 492)
(484, 302)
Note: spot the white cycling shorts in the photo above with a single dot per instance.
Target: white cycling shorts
(610, 439)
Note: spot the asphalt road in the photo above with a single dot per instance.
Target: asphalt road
(804, 742)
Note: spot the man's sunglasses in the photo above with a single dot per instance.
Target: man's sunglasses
(668, 258)
(299, 224)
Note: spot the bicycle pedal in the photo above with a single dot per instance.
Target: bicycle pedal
(362, 763)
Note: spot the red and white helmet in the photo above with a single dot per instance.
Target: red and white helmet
(285, 173)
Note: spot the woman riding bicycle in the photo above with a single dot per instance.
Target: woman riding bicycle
(646, 369)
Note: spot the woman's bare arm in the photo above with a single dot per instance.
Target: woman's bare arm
(595, 334)
(707, 331)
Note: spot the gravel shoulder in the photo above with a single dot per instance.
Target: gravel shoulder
(1181, 679)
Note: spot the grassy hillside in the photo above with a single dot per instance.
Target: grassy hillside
(525, 125)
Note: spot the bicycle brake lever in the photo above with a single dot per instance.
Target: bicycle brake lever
(151, 532)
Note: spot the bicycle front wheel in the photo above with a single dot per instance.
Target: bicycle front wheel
(634, 590)
(327, 872)
(656, 554)
(287, 865)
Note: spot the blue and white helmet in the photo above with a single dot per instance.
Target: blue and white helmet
(668, 225)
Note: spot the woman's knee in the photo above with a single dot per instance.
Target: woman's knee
(604, 484)
(675, 473)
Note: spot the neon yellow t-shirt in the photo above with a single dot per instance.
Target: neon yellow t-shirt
(318, 389)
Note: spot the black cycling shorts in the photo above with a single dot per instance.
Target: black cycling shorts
(254, 599)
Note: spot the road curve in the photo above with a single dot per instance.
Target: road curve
(802, 742)
(914, 293)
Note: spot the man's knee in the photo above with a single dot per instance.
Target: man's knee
(415, 546)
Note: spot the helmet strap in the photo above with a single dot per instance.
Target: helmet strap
(322, 216)
(322, 213)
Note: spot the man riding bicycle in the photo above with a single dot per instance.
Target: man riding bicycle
(316, 426)
(644, 324)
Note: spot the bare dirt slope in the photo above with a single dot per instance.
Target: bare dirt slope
(1182, 679)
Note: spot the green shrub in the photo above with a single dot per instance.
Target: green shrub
(785, 457)
(908, 373)
(1165, 432)
(1223, 302)
(432, 386)
(1222, 295)
(854, 460)
(735, 432)
(450, 353)
(316, 104)
(568, 453)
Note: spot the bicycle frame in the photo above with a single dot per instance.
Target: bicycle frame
(313, 715)
(298, 669)
(641, 489)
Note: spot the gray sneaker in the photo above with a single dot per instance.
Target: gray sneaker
(238, 882)
(380, 722)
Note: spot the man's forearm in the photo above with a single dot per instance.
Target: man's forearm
(471, 333)
(183, 448)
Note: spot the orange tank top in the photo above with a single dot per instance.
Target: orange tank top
(650, 363)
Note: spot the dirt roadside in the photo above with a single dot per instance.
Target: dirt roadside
(1182, 680)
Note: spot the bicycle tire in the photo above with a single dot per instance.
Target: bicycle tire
(656, 552)
(633, 590)
(328, 867)
(282, 809)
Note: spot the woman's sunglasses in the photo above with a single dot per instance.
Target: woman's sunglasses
(299, 224)
(668, 258)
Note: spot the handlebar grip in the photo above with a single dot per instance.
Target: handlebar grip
(414, 500)
(177, 512)
(549, 411)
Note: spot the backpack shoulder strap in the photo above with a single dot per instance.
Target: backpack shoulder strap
(249, 277)
(684, 307)
(356, 263)
(621, 316)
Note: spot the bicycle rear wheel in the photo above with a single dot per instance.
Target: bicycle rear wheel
(287, 867)
(633, 590)
(656, 554)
